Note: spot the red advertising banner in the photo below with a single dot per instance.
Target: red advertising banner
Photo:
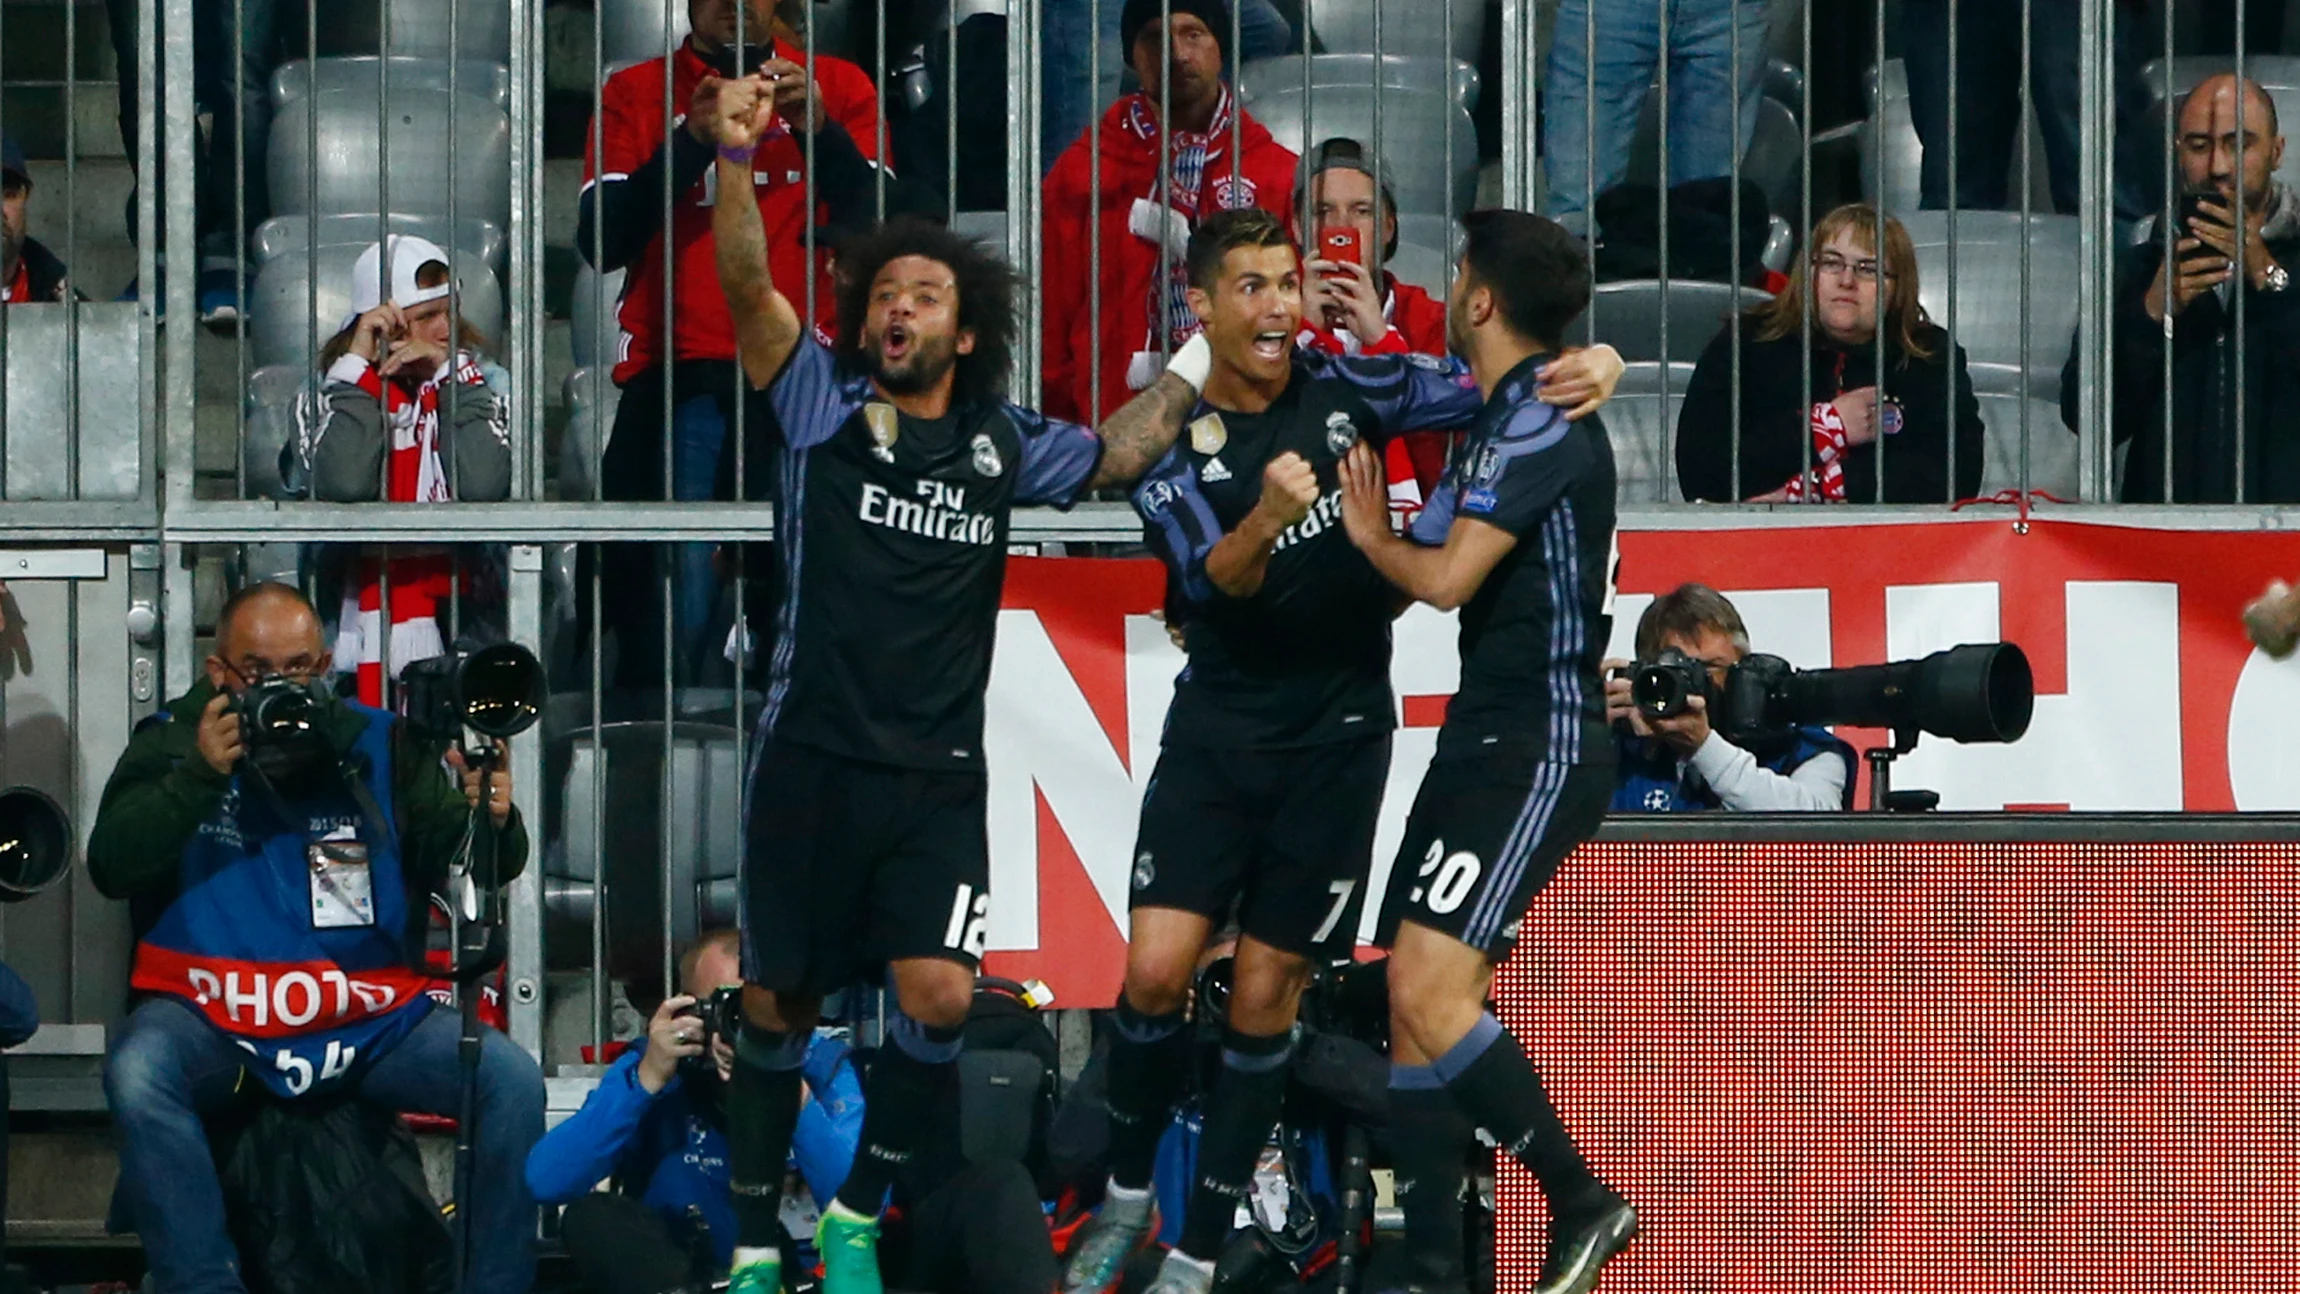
(2149, 698)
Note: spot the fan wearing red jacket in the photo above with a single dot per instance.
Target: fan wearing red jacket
(620, 226)
(1340, 311)
(1142, 283)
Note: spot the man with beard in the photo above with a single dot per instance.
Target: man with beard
(1277, 745)
(865, 805)
(1520, 537)
(28, 270)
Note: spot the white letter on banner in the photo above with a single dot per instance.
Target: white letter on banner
(2111, 742)
(1040, 735)
(1425, 660)
(256, 1000)
(2263, 749)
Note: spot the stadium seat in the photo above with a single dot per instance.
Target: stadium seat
(1628, 316)
(1903, 161)
(270, 426)
(1775, 158)
(631, 31)
(107, 449)
(2053, 448)
(588, 423)
(1639, 421)
(1990, 248)
(1417, 29)
(696, 804)
(592, 326)
(419, 28)
(336, 170)
(1411, 142)
(1278, 76)
(283, 331)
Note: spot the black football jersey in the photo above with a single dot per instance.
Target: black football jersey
(891, 535)
(1305, 660)
(1533, 635)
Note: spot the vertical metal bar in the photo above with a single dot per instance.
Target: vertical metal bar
(601, 358)
(1805, 273)
(383, 261)
(1588, 150)
(666, 330)
(1884, 285)
(524, 327)
(1517, 105)
(1306, 209)
(2169, 230)
(950, 113)
(1661, 17)
(71, 299)
(879, 131)
(1733, 315)
(2239, 281)
(1160, 297)
(453, 392)
(1949, 367)
(240, 91)
(1445, 247)
(1023, 234)
(602, 1022)
(1093, 413)
(524, 916)
(2094, 247)
(1238, 111)
(173, 65)
(1379, 150)
(2027, 233)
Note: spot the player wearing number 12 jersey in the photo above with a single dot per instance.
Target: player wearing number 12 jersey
(1277, 745)
(864, 804)
(1519, 535)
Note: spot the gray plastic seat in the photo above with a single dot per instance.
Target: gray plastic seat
(40, 451)
(1903, 160)
(419, 28)
(589, 418)
(336, 169)
(1410, 146)
(1415, 28)
(1278, 76)
(1990, 247)
(282, 329)
(1638, 422)
(2053, 448)
(591, 314)
(1627, 316)
(272, 392)
(632, 30)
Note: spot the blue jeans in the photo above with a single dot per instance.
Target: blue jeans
(229, 93)
(1071, 98)
(169, 1066)
(698, 434)
(1710, 117)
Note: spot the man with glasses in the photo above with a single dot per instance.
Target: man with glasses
(277, 886)
(1681, 764)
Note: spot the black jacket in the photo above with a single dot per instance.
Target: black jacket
(1776, 419)
(44, 270)
(2203, 393)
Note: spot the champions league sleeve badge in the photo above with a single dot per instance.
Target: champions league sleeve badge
(1208, 435)
(986, 460)
(1341, 433)
(885, 424)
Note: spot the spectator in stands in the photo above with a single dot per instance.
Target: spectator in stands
(231, 92)
(390, 417)
(1874, 437)
(274, 886)
(2193, 309)
(1989, 115)
(1342, 314)
(1144, 220)
(656, 1129)
(28, 270)
(1681, 764)
(1603, 60)
(1069, 92)
(830, 115)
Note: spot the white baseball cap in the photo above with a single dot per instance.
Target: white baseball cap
(408, 254)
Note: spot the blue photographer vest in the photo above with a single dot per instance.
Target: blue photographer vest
(1653, 780)
(312, 984)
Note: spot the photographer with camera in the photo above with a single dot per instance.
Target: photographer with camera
(1672, 760)
(278, 847)
(656, 1128)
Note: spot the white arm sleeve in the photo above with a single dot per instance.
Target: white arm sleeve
(1817, 785)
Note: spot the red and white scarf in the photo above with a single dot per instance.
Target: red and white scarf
(422, 583)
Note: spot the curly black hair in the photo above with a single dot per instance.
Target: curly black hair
(986, 286)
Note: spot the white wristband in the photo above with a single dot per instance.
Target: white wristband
(1193, 362)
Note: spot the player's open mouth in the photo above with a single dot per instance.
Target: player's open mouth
(896, 343)
(1270, 345)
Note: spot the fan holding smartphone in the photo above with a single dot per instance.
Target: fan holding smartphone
(1351, 303)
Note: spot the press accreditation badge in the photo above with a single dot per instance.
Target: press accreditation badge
(342, 897)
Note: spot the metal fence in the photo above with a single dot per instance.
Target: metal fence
(455, 121)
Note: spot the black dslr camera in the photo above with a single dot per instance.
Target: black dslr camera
(496, 691)
(1664, 687)
(283, 725)
(721, 1012)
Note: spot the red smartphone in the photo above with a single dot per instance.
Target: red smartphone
(1340, 243)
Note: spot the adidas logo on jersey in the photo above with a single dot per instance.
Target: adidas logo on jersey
(1213, 471)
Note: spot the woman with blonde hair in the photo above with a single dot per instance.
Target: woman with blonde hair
(1858, 423)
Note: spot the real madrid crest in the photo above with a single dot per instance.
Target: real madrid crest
(885, 424)
(1341, 433)
(1208, 435)
(986, 460)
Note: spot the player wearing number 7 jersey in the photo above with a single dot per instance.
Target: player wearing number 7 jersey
(1277, 745)
(1519, 535)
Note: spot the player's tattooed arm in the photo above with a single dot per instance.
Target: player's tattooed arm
(767, 329)
(1139, 434)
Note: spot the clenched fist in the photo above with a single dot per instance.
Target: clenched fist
(1289, 487)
